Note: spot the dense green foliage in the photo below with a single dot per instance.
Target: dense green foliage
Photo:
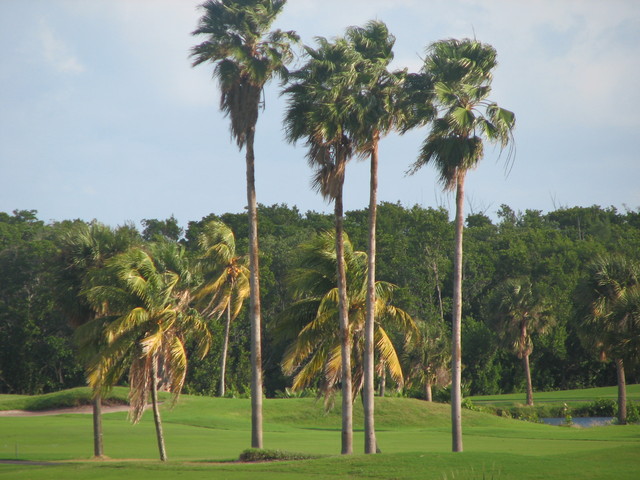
(552, 250)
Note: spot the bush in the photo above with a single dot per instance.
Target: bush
(524, 412)
(633, 412)
(262, 455)
(603, 407)
(290, 393)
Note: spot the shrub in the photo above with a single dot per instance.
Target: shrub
(262, 455)
(603, 407)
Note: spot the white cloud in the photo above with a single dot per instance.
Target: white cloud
(56, 52)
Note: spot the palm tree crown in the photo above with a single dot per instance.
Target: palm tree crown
(245, 53)
(461, 72)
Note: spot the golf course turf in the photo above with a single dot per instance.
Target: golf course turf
(205, 436)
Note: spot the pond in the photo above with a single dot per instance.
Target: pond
(580, 421)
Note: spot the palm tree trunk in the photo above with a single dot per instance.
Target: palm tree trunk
(383, 382)
(622, 393)
(156, 408)
(225, 348)
(367, 392)
(254, 284)
(527, 372)
(98, 449)
(428, 393)
(456, 357)
(345, 338)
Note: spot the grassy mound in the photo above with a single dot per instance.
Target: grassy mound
(74, 397)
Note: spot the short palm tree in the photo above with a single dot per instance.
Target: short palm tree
(226, 281)
(83, 248)
(314, 354)
(427, 355)
(612, 325)
(461, 72)
(319, 111)
(246, 56)
(517, 312)
(148, 313)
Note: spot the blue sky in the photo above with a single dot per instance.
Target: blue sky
(101, 115)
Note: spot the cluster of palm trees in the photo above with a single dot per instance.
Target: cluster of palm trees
(136, 306)
(341, 102)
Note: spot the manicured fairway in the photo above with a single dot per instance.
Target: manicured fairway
(570, 397)
(203, 436)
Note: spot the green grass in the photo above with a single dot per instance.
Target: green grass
(73, 397)
(570, 397)
(204, 436)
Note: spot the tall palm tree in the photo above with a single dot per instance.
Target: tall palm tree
(319, 111)
(85, 247)
(461, 71)
(612, 323)
(246, 56)
(314, 354)
(226, 283)
(376, 114)
(149, 318)
(517, 313)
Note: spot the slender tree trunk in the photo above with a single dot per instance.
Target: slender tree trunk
(254, 285)
(98, 448)
(345, 337)
(622, 392)
(156, 409)
(438, 289)
(368, 390)
(383, 383)
(456, 357)
(225, 348)
(428, 391)
(527, 372)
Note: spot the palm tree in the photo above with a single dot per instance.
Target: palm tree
(147, 305)
(246, 56)
(428, 355)
(376, 114)
(517, 313)
(85, 247)
(611, 326)
(321, 98)
(314, 354)
(461, 71)
(226, 282)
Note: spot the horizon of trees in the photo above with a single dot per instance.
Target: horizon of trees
(37, 354)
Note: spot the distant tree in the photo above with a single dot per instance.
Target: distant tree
(461, 71)
(517, 313)
(154, 229)
(246, 55)
(612, 323)
(226, 282)
(428, 356)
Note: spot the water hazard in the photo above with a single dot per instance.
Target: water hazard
(580, 421)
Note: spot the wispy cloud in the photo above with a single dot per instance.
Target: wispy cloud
(57, 53)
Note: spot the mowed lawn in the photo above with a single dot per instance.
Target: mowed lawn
(204, 436)
(570, 397)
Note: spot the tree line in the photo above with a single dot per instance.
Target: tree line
(554, 251)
